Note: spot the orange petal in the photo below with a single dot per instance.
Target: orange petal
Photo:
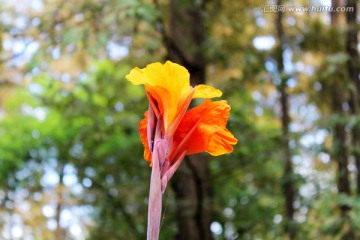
(143, 135)
(210, 135)
(164, 101)
(221, 142)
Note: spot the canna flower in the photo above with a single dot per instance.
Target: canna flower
(168, 89)
(169, 132)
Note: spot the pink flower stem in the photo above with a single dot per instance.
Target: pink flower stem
(166, 175)
(155, 195)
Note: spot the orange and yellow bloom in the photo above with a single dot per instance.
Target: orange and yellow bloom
(169, 92)
(169, 131)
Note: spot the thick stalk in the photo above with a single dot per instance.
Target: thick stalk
(155, 195)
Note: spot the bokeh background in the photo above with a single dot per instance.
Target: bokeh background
(71, 164)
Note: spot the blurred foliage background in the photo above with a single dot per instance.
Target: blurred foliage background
(71, 164)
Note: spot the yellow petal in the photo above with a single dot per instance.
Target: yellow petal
(204, 91)
(154, 74)
(170, 76)
(136, 76)
(178, 77)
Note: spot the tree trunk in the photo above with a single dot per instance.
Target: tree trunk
(340, 152)
(354, 71)
(288, 179)
(340, 149)
(191, 182)
(59, 230)
(192, 193)
(339, 145)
